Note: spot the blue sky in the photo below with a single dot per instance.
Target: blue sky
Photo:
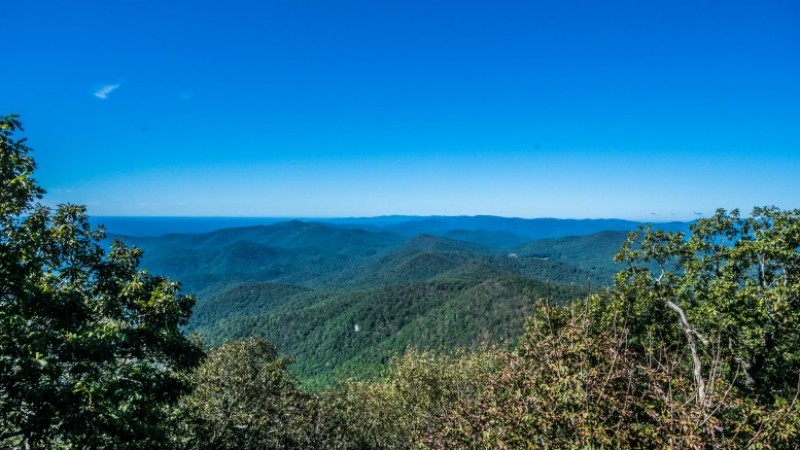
(654, 110)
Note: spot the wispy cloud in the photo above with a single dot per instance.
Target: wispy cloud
(103, 92)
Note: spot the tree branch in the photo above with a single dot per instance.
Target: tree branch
(698, 369)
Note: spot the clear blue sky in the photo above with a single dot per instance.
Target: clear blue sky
(642, 109)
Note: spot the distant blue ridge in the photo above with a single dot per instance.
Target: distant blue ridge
(540, 228)
(159, 226)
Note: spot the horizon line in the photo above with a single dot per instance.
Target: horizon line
(386, 216)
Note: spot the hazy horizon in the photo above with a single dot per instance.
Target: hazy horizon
(345, 217)
(575, 109)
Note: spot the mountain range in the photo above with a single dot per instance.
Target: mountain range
(340, 296)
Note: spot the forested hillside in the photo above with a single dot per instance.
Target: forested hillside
(353, 332)
(342, 300)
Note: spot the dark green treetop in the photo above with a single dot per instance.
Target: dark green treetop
(90, 345)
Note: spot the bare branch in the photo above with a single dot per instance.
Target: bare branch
(698, 369)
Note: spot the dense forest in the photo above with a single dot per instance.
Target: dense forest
(341, 300)
(321, 336)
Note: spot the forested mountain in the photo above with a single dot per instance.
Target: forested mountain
(341, 299)
(336, 331)
(294, 252)
(493, 239)
(589, 253)
(529, 229)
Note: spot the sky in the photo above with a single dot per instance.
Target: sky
(643, 110)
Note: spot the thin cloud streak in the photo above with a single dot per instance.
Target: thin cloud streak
(103, 92)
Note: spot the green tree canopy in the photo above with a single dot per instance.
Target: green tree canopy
(730, 291)
(244, 399)
(90, 345)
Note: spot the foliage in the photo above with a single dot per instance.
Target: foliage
(572, 382)
(737, 280)
(400, 410)
(89, 344)
(575, 383)
(243, 399)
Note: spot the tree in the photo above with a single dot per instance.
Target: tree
(90, 345)
(244, 399)
(731, 290)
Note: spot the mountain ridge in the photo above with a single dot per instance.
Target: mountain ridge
(308, 285)
(529, 228)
